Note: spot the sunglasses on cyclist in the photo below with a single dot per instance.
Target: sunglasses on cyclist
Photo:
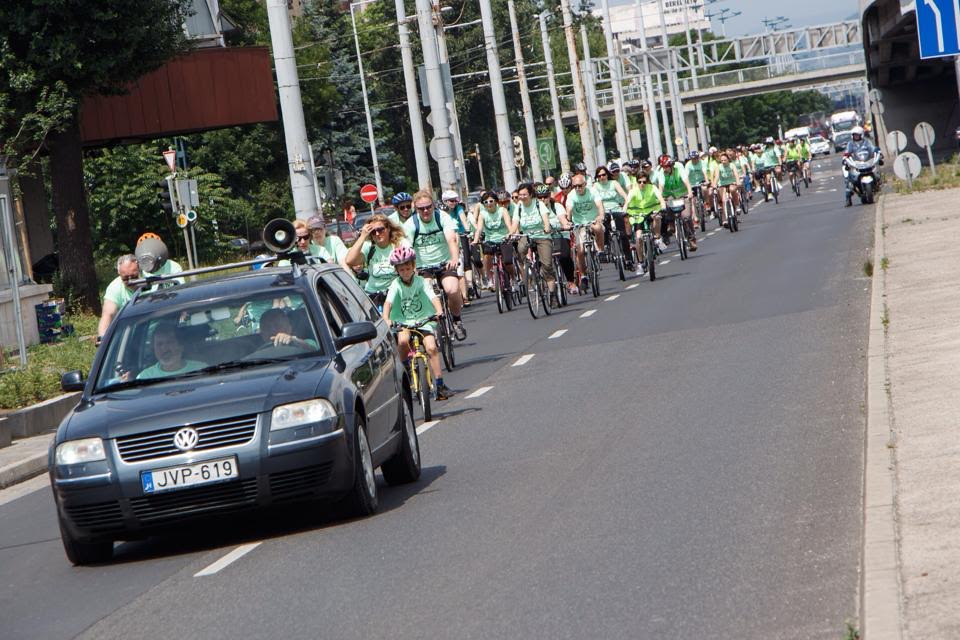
(403, 207)
(602, 175)
(129, 278)
(490, 201)
(580, 186)
(378, 230)
(426, 208)
(300, 237)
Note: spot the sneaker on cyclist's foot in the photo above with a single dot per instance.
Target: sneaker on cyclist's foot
(584, 283)
(443, 392)
(660, 244)
(458, 331)
(572, 289)
(640, 270)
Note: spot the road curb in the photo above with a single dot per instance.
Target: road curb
(881, 602)
(25, 469)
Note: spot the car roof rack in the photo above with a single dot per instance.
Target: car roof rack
(296, 259)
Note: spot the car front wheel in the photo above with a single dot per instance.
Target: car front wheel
(81, 553)
(404, 467)
(362, 499)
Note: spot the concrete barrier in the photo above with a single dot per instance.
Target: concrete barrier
(6, 433)
(39, 418)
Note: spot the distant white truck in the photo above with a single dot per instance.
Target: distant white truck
(797, 132)
(840, 124)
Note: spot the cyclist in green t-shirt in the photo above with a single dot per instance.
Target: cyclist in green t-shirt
(377, 239)
(584, 207)
(644, 200)
(727, 178)
(494, 224)
(118, 291)
(769, 161)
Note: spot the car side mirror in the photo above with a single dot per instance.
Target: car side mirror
(356, 332)
(72, 381)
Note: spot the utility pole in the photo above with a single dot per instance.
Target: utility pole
(554, 98)
(413, 100)
(591, 88)
(452, 104)
(525, 96)
(441, 147)
(672, 83)
(667, 138)
(700, 124)
(291, 109)
(504, 141)
(653, 126)
(623, 135)
(583, 119)
(366, 102)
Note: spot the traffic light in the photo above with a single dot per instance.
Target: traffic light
(518, 158)
(166, 198)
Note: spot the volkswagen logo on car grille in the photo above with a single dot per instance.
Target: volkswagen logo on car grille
(186, 439)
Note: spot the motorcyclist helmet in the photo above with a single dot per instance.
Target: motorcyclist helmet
(857, 133)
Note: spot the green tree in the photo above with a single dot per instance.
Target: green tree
(752, 118)
(52, 54)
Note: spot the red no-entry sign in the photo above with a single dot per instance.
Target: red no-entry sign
(368, 193)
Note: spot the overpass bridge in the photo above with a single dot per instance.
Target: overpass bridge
(761, 63)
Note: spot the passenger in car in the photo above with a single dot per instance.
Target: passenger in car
(169, 352)
(275, 327)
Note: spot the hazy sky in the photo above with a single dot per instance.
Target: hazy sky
(801, 14)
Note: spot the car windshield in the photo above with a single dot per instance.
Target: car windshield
(816, 139)
(208, 336)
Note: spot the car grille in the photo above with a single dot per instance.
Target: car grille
(178, 505)
(290, 485)
(104, 516)
(212, 435)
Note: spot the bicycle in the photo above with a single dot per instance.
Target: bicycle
(648, 246)
(676, 206)
(501, 281)
(699, 205)
(445, 325)
(730, 212)
(794, 179)
(537, 289)
(615, 248)
(422, 384)
(558, 269)
(474, 287)
(591, 261)
(770, 184)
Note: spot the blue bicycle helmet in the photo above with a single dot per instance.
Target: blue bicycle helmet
(403, 196)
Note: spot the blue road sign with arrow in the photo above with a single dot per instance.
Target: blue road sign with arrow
(938, 28)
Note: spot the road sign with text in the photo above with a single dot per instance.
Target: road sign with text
(938, 28)
(369, 193)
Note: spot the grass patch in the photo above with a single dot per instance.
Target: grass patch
(868, 268)
(948, 177)
(851, 632)
(884, 263)
(40, 379)
(885, 319)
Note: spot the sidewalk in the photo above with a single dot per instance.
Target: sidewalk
(25, 458)
(911, 555)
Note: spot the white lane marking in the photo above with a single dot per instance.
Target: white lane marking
(612, 298)
(479, 392)
(632, 286)
(587, 314)
(664, 262)
(711, 233)
(228, 559)
(557, 334)
(522, 360)
(426, 426)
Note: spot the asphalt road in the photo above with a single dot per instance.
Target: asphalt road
(684, 462)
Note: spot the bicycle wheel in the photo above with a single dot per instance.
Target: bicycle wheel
(444, 338)
(700, 212)
(743, 205)
(545, 293)
(617, 252)
(775, 189)
(650, 256)
(682, 238)
(533, 292)
(734, 218)
(498, 288)
(561, 283)
(593, 271)
(423, 388)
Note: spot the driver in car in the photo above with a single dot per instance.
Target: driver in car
(276, 330)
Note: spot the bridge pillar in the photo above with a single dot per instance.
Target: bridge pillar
(693, 130)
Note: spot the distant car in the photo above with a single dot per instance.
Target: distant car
(473, 198)
(344, 230)
(840, 141)
(819, 145)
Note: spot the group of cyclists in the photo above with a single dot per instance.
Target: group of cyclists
(458, 246)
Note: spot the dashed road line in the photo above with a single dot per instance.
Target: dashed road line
(557, 334)
(227, 560)
(426, 426)
(479, 392)
(633, 286)
(587, 314)
(612, 298)
(664, 262)
(522, 360)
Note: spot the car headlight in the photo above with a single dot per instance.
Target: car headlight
(296, 414)
(80, 451)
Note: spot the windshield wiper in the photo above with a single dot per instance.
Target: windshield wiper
(235, 364)
(128, 384)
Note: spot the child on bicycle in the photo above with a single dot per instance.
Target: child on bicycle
(410, 301)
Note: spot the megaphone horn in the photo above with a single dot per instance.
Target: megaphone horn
(279, 236)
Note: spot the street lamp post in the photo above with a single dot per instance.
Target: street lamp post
(366, 101)
(12, 255)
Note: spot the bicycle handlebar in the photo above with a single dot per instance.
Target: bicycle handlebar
(400, 326)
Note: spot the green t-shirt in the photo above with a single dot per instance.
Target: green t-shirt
(156, 372)
(725, 174)
(642, 202)
(624, 181)
(495, 225)
(118, 293)
(169, 268)
(695, 172)
(378, 266)
(794, 153)
(805, 150)
(671, 185)
(412, 304)
(430, 242)
(607, 193)
(584, 209)
(769, 158)
(332, 249)
(555, 210)
(531, 220)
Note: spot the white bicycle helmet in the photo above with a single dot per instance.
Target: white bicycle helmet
(450, 194)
